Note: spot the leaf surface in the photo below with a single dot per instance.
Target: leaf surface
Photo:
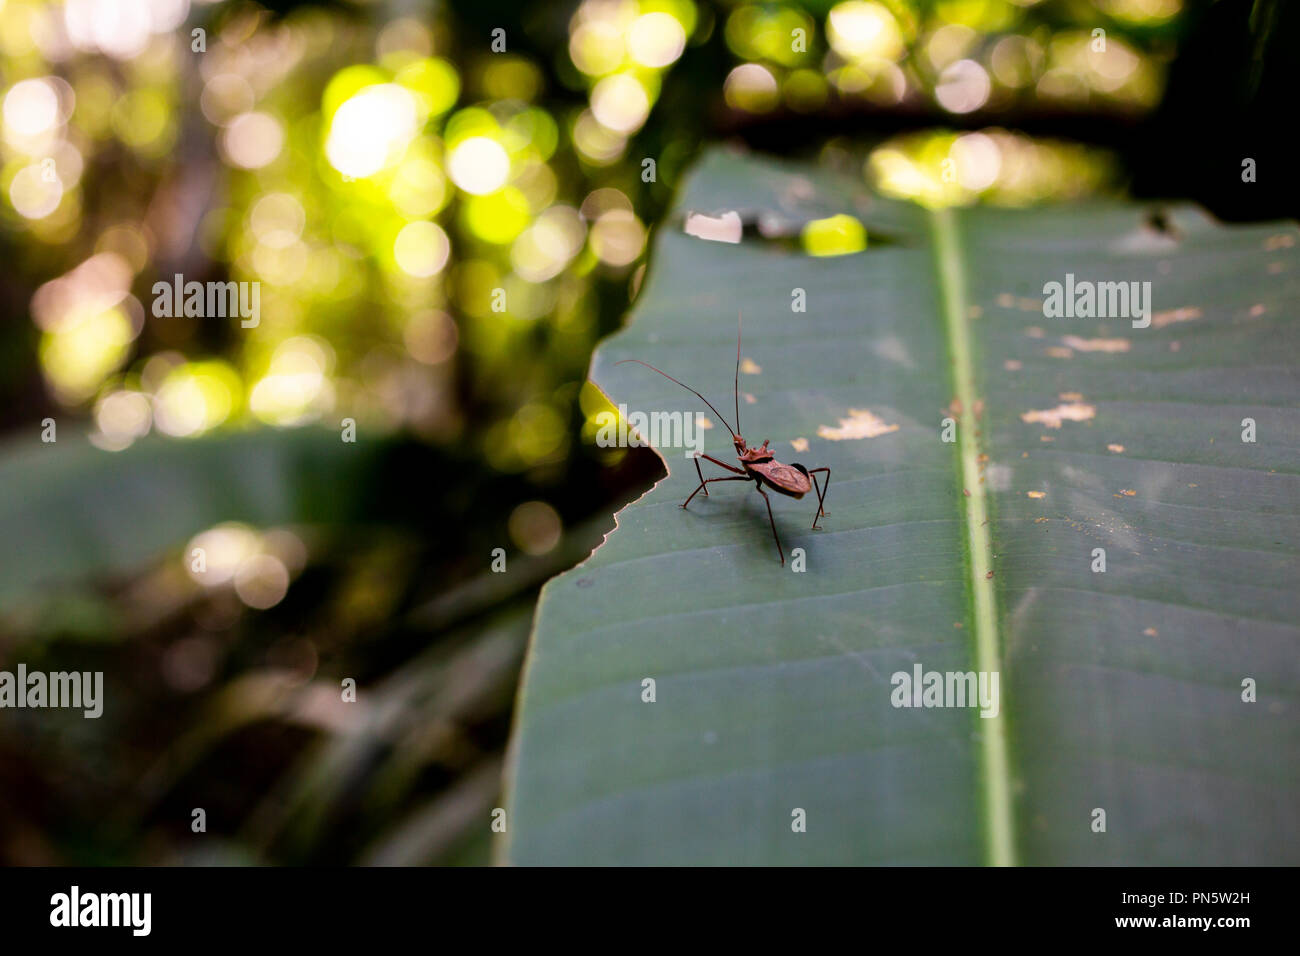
(1119, 691)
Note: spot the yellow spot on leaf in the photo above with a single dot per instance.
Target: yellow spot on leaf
(1151, 632)
(1013, 365)
(799, 444)
(834, 236)
(1053, 417)
(1117, 449)
(704, 421)
(1096, 345)
(749, 399)
(1036, 494)
(750, 367)
(860, 424)
(1170, 316)
(1060, 351)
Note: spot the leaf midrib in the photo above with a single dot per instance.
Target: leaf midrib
(993, 758)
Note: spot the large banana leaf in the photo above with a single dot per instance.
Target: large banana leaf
(1120, 691)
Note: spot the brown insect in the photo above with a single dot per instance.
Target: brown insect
(758, 465)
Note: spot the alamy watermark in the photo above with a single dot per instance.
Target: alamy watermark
(657, 429)
(75, 908)
(76, 689)
(922, 688)
(209, 300)
(1098, 300)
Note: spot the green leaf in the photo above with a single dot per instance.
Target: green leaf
(68, 509)
(1120, 691)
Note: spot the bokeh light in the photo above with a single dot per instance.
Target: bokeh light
(252, 140)
(620, 103)
(421, 249)
(31, 108)
(751, 87)
(479, 165)
(656, 39)
(859, 30)
(535, 527)
(617, 237)
(963, 87)
(261, 581)
(370, 130)
(121, 417)
(295, 387)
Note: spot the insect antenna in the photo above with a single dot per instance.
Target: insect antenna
(736, 392)
(683, 385)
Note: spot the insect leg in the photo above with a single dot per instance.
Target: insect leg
(720, 464)
(773, 523)
(821, 494)
(704, 482)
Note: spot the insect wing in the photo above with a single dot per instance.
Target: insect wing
(783, 478)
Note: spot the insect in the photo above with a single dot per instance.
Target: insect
(758, 465)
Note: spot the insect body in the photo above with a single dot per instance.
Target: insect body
(758, 465)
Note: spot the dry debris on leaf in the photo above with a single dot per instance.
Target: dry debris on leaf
(1054, 417)
(860, 423)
